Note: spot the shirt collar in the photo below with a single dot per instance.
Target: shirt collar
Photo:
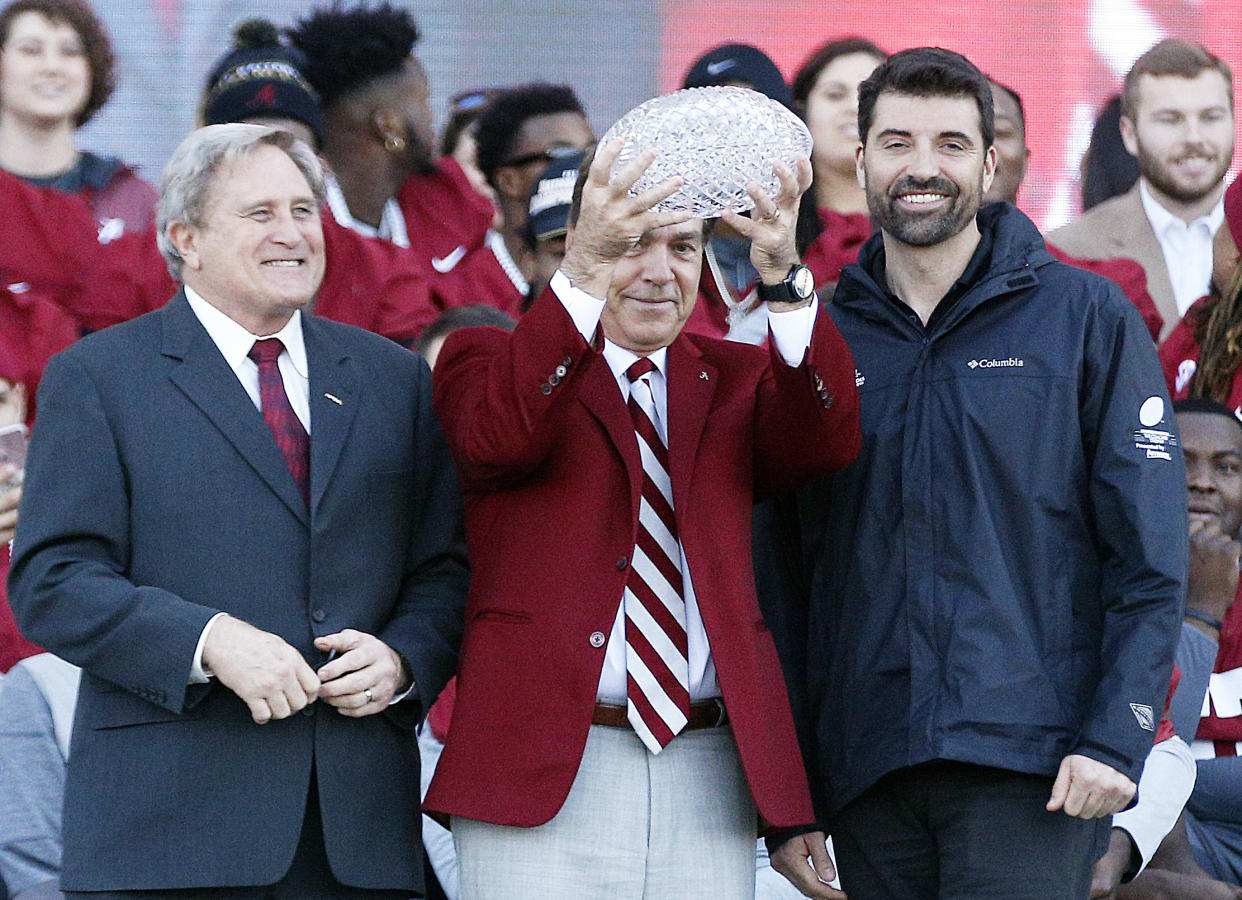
(619, 359)
(1162, 220)
(235, 341)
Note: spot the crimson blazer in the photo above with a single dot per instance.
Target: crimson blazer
(550, 467)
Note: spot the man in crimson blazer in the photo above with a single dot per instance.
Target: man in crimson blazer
(553, 788)
(260, 618)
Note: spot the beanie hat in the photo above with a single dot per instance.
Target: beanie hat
(260, 77)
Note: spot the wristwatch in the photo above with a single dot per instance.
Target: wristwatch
(798, 286)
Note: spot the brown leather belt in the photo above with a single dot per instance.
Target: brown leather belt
(708, 714)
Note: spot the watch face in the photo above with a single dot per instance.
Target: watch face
(803, 282)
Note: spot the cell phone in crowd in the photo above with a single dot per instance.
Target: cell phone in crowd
(13, 443)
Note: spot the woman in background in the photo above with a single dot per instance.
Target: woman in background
(833, 221)
(56, 72)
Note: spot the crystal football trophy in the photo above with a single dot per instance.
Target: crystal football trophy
(717, 139)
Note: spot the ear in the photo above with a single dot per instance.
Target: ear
(1129, 136)
(387, 124)
(508, 182)
(989, 167)
(860, 171)
(185, 239)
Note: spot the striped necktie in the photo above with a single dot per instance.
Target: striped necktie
(656, 662)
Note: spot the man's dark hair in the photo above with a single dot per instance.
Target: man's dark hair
(79, 16)
(808, 73)
(1172, 56)
(464, 317)
(927, 72)
(348, 49)
(496, 133)
(1108, 168)
(1205, 405)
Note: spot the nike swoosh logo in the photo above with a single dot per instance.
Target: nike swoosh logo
(444, 265)
(717, 67)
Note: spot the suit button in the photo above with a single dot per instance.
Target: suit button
(545, 389)
(554, 379)
(597, 639)
(560, 371)
(567, 361)
(623, 563)
(308, 710)
(319, 615)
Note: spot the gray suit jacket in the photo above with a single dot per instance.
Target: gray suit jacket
(1120, 227)
(156, 497)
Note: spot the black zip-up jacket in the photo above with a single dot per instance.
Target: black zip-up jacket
(998, 578)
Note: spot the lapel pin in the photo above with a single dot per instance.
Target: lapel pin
(334, 399)
(703, 375)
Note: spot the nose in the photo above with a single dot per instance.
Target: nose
(923, 162)
(657, 268)
(286, 230)
(1199, 476)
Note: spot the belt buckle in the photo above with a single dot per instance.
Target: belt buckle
(721, 715)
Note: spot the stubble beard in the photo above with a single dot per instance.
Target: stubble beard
(1162, 179)
(923, 230)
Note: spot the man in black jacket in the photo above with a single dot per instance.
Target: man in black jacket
(992, 591)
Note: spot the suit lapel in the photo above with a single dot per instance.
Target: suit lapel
(600, 394)
(691, 387)
(331, 376)
(1138, 240)
(206, 379)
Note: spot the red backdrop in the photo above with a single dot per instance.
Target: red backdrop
(1065, 57)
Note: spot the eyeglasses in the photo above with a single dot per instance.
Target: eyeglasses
(551, 154)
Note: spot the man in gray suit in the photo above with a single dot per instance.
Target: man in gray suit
(242, 523)
(1177, 119)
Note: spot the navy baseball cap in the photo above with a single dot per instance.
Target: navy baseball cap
(740, 64)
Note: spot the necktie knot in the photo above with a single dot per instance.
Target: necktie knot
(266, 350)
(639, 368)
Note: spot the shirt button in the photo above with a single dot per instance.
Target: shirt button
(623, 563)
(308, 710)
(597, 639)
(319, 615)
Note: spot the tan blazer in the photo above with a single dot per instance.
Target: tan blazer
(1120, 227)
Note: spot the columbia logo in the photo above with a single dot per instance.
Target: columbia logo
(996, 363)
(1143, 713)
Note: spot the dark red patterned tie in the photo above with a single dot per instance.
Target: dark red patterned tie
(291, 437)
(656, 659)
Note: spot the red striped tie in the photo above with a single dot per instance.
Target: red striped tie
(655, 608)
(290, 436)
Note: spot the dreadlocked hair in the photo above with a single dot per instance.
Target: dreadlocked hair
(348, 48)
(1218, 332)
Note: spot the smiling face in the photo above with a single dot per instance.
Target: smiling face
(832, 110)
(44, 73)
(1182, 133)
(654, 287)
(258, 254)
(1212, 446)
(924, 166)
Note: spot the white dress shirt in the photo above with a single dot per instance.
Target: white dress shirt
(1187, 247)
(234, 343)
(791, 332)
